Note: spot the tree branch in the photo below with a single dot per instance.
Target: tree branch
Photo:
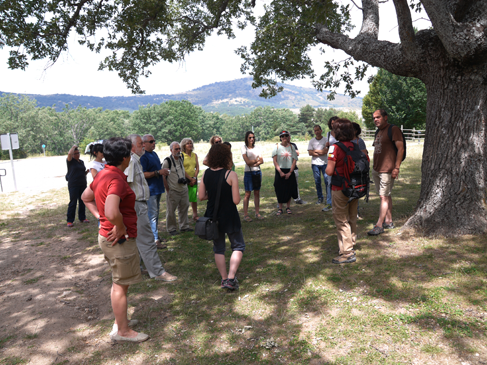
(462, 40)
(370, 20)
(385, 54)
(406, 30)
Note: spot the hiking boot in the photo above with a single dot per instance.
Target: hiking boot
(231, 284)
(388, 225)
(320, 201)
(224, 282)
(327, 208)
(300, 201)
(344, 259)
(375, 231)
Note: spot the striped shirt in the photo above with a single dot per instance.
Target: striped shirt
(136, 179)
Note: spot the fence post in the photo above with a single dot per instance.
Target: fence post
(414, 134)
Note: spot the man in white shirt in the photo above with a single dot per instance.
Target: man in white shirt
(318, 151)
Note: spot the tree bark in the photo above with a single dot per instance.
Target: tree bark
(454, 168)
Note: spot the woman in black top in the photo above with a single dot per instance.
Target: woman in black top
(219, 159)
(76, 177)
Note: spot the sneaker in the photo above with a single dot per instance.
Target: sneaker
(224, 282)
(375, 231)
(320, 201)
(300, 201)
(231, 284)
(70, 225)
(132, 323)
(85, 221)
(344, 259)
(388, 225)
(166, 277)
(141, 337)
(327, 208)
(173, 233)
(189, 229)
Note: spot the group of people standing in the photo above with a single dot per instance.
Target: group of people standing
(129, 180)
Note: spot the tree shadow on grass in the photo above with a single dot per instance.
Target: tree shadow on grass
(374, 311)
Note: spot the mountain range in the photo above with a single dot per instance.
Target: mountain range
(230, 97)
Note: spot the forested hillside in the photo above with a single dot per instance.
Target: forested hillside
(168, 121)
(231, 97)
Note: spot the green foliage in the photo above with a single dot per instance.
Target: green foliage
(404, 99)
(169, 121)
(266, 123)
(306, 118)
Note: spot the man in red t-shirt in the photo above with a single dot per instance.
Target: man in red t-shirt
(386, 168)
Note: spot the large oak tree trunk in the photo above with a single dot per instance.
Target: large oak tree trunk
(454, 168)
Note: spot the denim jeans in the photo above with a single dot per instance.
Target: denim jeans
(328, 189)
(153, 212)
(317, 172)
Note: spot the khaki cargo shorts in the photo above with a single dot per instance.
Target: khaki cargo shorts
(383, 183)
(123, 259)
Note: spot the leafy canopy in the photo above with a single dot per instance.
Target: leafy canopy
(404, 98)
(140, 33)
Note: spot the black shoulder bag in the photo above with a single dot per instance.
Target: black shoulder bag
(207, 228)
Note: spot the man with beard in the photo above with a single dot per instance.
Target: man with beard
(388, 153)
(176, 191)
(145, 239)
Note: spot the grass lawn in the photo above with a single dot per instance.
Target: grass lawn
(407, 300)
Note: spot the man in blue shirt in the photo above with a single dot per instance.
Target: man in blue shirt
(151, 164)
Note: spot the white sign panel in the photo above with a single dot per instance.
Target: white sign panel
(14, 137)
(5, 141)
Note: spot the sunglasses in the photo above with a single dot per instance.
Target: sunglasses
(285, 136)
(151, 141)
(251, 137)
(218, 142)
(176, 149)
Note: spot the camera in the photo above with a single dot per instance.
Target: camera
(182, 180)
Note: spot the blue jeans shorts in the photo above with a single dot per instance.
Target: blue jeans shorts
(248, 179)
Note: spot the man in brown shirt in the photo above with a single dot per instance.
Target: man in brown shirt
(386, 168)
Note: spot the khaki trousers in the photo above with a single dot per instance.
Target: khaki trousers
(345, 216)
(179, 200)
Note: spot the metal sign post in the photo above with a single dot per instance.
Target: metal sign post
(10, 141)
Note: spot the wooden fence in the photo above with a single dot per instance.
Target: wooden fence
(414, 135)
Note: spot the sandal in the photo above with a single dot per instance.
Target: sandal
(288, 211)
(258, 216)
(247, 219)
(279, 212)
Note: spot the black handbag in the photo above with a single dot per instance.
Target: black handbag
(207, 228)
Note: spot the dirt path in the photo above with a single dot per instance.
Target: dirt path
(54, 283)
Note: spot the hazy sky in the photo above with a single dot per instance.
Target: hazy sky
(76, 71)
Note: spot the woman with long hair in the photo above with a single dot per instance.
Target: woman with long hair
(192, 169)
(114, 207)
(252, 156)
(219, 161)
(213, 140)
(96, 154)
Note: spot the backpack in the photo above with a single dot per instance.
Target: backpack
(389, 133)
(357, 168)
(168, 159)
